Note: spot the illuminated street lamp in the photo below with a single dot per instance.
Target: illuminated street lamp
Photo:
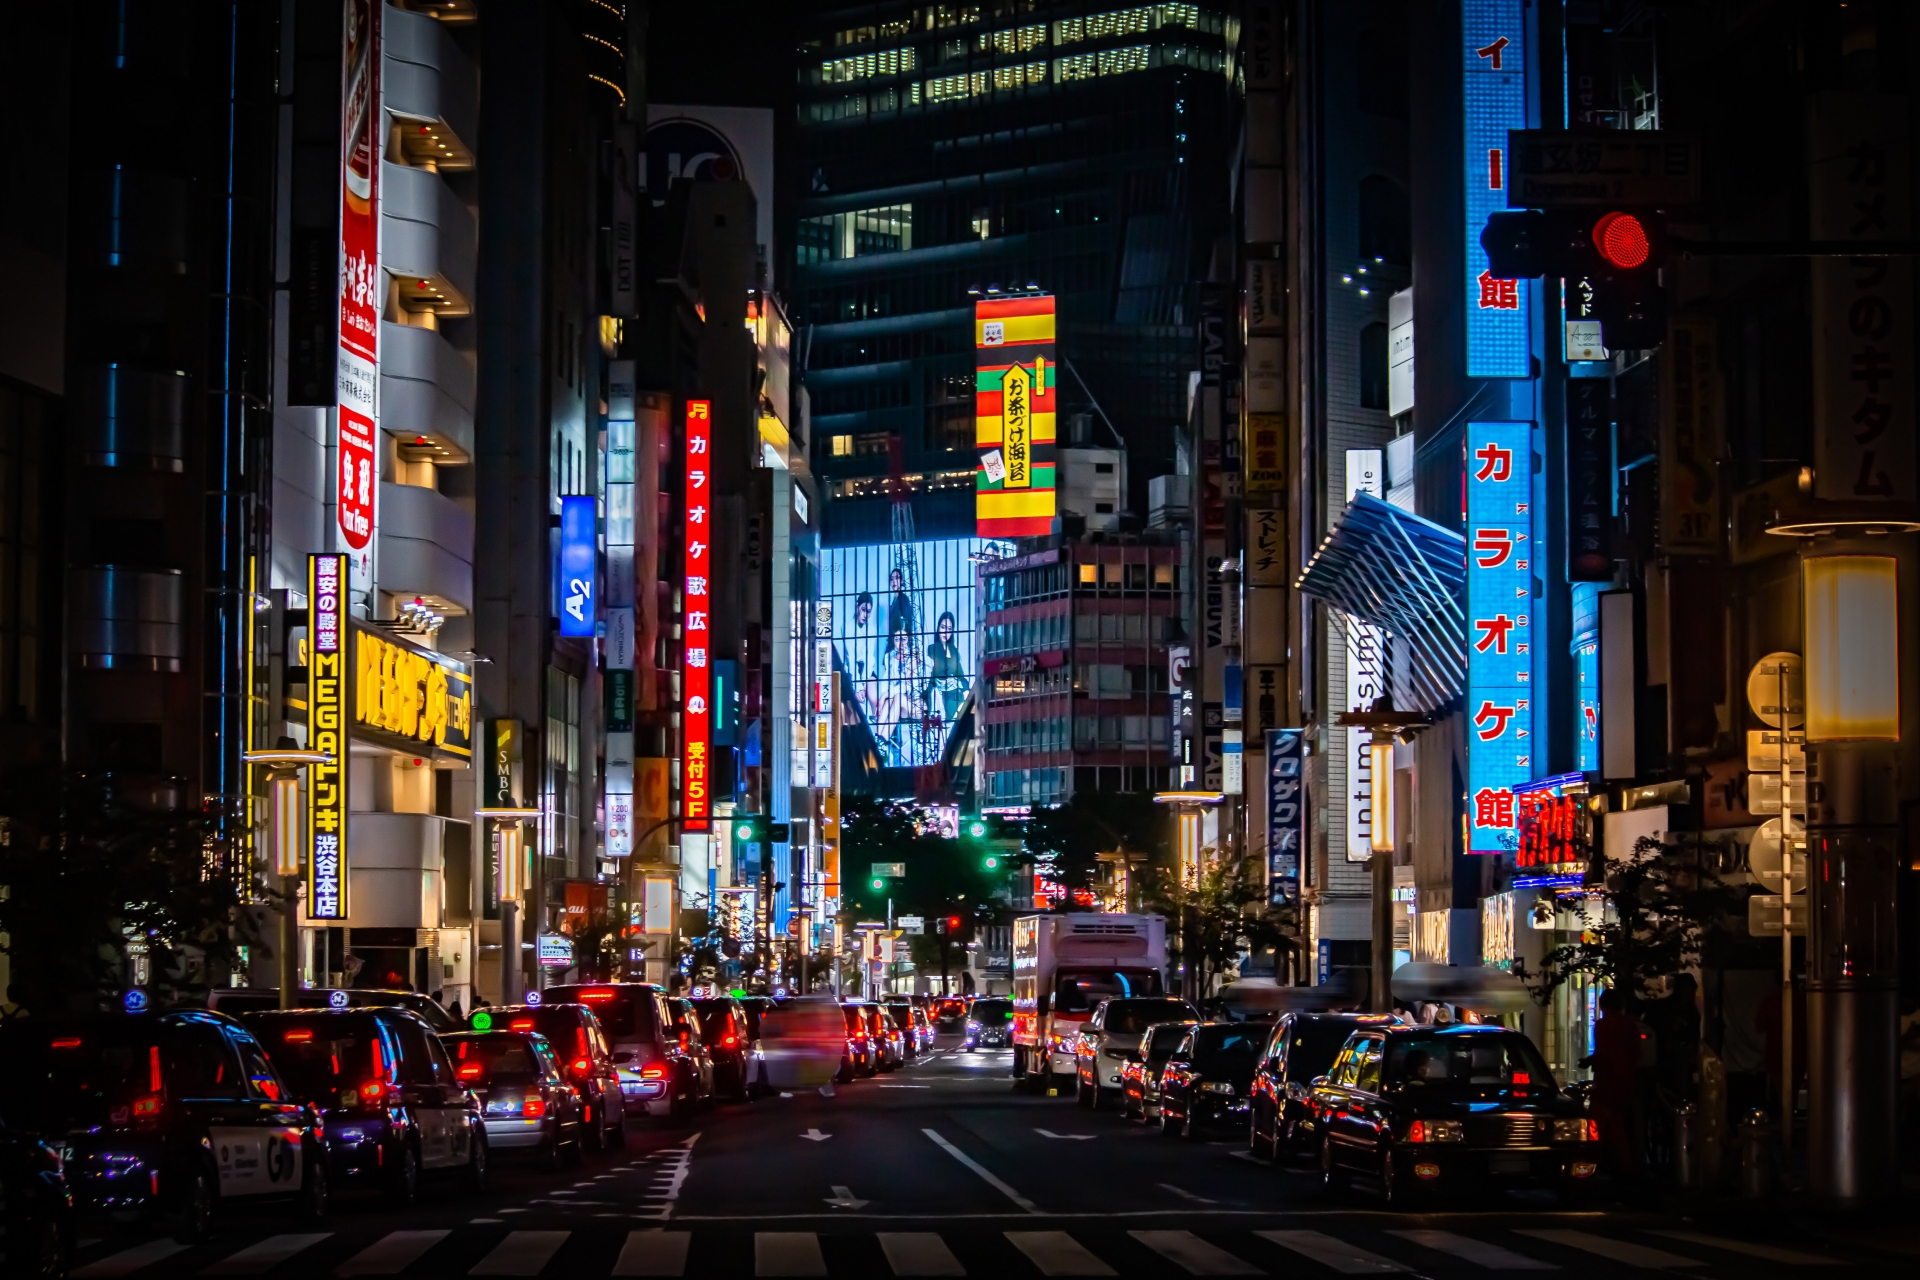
(1383, 724)
(510, 881)
(283, 764)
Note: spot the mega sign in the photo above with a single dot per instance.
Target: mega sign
(1499, 629)
(326, 731)
(1494, 91)
(420, 697)
(1014, 375)
(696, 683)
(362, 295)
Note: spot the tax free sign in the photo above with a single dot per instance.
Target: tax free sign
(1500, 553)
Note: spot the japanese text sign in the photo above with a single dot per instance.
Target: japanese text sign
(696, 684)
(1286, 812)
(1494, 93)
(327, 731)
(362, 291)
(1014, 376)
(1499, 628)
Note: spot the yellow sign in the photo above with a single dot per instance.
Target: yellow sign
(1016, 390)
(326, 731)
(404, 692)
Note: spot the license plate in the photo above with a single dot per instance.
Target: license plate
(1508, 1162)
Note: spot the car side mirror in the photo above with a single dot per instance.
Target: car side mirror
(1320, 1081)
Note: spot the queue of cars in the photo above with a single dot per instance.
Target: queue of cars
(1409, 1110)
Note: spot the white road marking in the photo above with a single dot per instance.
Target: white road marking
(1347, 1259)
(391, 1254)
(986, 1175)
(1184, 1194)
(787, 1253)
(843, 1198)
(131, 1260)
(919, 1253)
(1065, 1137)
(1478, 1252)
(522, 1253)
(814, 1135)
(1634, 1255)
(1196, 1257)
(906, 1086)
(653, 1253)
(1771, 1252)
(1056, 1253)
(268, 1253)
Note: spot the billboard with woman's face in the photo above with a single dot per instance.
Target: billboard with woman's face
(903, 625)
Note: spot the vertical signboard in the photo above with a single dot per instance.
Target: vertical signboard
(1014, 375)
(1494, 93)
(1499, 628)
(574, 572)
(362, 295)
(1589, 479)
(696, 692)
(1286, 812)
(1690, 414)
(327, 731)
(1367, 676)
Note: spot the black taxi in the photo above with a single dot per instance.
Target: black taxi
(1421, 1108)
(586, 1059)
(169, 1115)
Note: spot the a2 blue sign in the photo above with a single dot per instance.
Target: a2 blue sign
(573, 587)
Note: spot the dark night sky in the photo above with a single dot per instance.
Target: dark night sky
(722, 52)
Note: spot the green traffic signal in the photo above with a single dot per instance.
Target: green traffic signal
(879, 885)
(977, 828)
(992, 864)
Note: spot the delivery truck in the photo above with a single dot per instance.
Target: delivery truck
(1063, 967)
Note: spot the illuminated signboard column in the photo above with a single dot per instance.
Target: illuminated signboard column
(362, 293)
(1499, 629)
(1013, 388)
(1494, 90)
(696, 809)
(326, 731)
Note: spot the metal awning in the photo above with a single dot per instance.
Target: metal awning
(1389, 568)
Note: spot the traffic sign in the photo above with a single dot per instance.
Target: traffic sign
(889, 870)
(1775, 690)
(912, 924)
(1551, 169)
(1763, 916)
(1764, 858)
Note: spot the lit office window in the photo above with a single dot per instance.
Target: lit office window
(969, 84)
(1015, 77)
(1014, 39)
(855, 234)
(882, 62)
(1125, 22)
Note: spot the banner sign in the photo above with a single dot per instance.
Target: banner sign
(1589, 503)
(1499, 629)
(1494, 91)
(1286, 812)
(409, 698)
(695, 676)
(326, 731)
(362, 295)
(574, 573)
(1014, 375)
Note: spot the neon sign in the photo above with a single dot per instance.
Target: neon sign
(1494, 91)
(696, 682)
(1499, 630)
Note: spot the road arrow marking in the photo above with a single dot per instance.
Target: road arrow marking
(814, 1135)
(1185, 1195)
(843, 1198)
(1065, 1137)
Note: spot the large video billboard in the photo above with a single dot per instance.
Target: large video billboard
(903, 636)
(1013, 390)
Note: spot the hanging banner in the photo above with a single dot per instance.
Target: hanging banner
(573, 592)
(326, 731)
(362, 293)
(1494, 94)
(1014, 377)
(696, 692)
(1589, 504)
(1286, 812)
(1499, 628)
(1367, 676)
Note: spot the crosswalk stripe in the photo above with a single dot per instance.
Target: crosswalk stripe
(1345, 1258)
(1479, 1252)
(653, 1253)
(390, 1254)
(919, 1253)
(268, 1253)
(1753, 1248)
(787, 1253)
(1196, 1256)
(1056, 1253)
(129, 1261)
(1634, 1255)
(522, 1253)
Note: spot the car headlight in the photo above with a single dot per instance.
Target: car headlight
(972, 1025)
(1436, 1131)
(1576, 1131)
(1216, 1086)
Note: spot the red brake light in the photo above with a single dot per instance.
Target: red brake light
(532, 1106)
(1522, 1077)
(1417, 1131)
(153, 1068)
(372, 1090)
(581, 1064)
(1622, 240)
(655, 1072)
(470, 1072)
(521, 1024)
(729, 1041)
(299, 1037)
(146, 1107)
(597, 995)
(1593, 1131)
(67, 1042)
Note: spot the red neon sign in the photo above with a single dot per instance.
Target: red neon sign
(696, 681)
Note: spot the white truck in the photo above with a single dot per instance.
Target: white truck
(1063, 967)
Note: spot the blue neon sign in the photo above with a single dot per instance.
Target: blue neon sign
(573, 578)
(1494, 91)
(1499, 629)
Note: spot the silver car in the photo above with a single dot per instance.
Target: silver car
(527, 1103)
(1110, 1035)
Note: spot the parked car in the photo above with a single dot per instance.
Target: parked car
(1420, 1109)
(657, 1077)
(893, 1050)
(392, 1108)
(1205, 1082)
(239, 1001)
(39, 1237)
(527, 1103)
(693, 1047)
(863, 1055)
(950, 1014)
(1140, 1080)
(586, 1059)
(725, 1031)
(1111, 1034)
(923, 1027)
(1301, 1047)
(162, 1116)
(989, 1024)
(910, 1020)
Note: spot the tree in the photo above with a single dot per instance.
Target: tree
(92, 880)
(1222, 915)
(1067, 839)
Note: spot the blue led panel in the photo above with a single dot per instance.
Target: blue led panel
(1494, 91)
(1499, 629)
(573, 584)
(1586, 662)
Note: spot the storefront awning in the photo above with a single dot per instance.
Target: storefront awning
(1391, 569)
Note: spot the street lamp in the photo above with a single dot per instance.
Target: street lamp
(283, 764)
(510, 881)
(1383, 724)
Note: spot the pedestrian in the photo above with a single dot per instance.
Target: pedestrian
(1615, 1063)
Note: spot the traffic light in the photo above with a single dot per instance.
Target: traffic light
(977, 828)
(749, 828)
(953, 924)
(991, 862)
(1611, 259)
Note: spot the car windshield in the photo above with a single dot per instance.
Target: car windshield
(1080, 990)
(318, 1057)
(1316, 1043)
(991, 1012)
(429, 1010)
(902, 1015)
(495, 1058)
(1163, 1040)
(1132, 1017)
(1228, 1046)
(713, 1016)
(1456, 1063)
(54, 1077)
(856, 1022)
(564, 1029)
(624, 1015)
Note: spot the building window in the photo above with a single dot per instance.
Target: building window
(1386, 222)
(855, 234)
(842, 446)
(1014, 39)
(883, 62)
(1373, 366)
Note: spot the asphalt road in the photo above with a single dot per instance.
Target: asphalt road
(942, 1169)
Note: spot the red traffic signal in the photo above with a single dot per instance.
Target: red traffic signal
(1622, 240)
(953, 924)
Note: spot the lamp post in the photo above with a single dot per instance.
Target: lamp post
(1382, 723)
(283, 764)
(1188, 808)
(511, 882)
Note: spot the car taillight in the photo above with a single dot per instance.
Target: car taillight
(654, 1072)
(299, 1037)
(521, 1024)
(470, 1072)
(582, 1065)
(729, 1042)
(146, 1108)
(1417, 1131)
(533, 1106)
(373, 1092)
